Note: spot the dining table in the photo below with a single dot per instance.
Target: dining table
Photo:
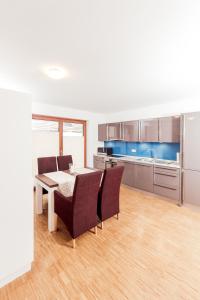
(63, 181)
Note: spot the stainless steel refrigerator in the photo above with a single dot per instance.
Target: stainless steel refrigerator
(191, 158)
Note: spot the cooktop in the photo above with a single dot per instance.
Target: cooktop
(116, 155)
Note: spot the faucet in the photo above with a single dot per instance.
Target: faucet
(151, 153)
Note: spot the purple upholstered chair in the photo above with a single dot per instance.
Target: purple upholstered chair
(63, 162)
(108, 200)
(79, 212)
(46, 165)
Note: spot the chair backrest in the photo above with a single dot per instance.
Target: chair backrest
(63, 162)
(85, 199)
(108, 204)
(47, 164)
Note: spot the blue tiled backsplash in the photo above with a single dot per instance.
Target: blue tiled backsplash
(156, 150)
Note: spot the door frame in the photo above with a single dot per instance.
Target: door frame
(60, 121)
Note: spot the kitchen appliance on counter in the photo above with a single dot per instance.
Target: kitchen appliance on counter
(191, 158)
(103, 162)
(105, 150)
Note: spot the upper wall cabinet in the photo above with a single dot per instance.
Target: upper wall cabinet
(130, 131)
(164, 130)
(169, 129)
(102, 132)
(149, 130)
(111, 131)
(114, 131)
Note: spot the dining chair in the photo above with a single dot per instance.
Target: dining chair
(108, 199)
(63, 162)
(79, 212)
(46, 165)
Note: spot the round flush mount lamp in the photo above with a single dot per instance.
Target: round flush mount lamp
(56, 72)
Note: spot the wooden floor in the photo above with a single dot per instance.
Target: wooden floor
(152, 252)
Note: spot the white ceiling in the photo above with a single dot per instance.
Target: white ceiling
(120, 54)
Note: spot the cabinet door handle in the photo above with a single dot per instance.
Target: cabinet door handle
(164, 174)
(167, 187)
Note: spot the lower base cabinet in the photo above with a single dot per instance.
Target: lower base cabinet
(98, 162)
(166, 192)
(138, 175)
(167, 182)
(129, 174)
(144, 177)
(163, 181)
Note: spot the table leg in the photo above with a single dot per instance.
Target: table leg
(39, 209)
(52, 217)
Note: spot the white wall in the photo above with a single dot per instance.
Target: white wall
(93, 119)
(166, 109)
(16, 198)
(43, 144)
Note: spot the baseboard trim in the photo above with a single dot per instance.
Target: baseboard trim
(15, 275)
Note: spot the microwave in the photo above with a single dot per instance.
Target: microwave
(105, 150)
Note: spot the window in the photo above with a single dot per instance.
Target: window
(45, 126)
(72, 129)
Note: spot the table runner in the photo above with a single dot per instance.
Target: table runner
(66, 181)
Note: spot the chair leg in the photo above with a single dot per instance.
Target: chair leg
(117, 216)
(101, 225)
(73, 243)
(95, 230)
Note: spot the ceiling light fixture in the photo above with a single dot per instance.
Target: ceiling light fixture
(56, 72)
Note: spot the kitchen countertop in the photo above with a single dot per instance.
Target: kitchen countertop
(144, 160)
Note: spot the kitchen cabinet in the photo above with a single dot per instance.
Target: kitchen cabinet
(144, 177)
(161, 180)
(102, 132)
(164, 130)
(138, 175)
(130, 131)
(167, 182)
(129, 174)
(149, 130)
(98, 162)
(169, 129)
(114, 131)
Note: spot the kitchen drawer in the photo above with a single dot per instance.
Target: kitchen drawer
(167, 192)
(169, 181)
(166, 171)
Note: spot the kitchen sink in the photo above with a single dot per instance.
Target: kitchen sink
(165, 162)
(145, 159)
